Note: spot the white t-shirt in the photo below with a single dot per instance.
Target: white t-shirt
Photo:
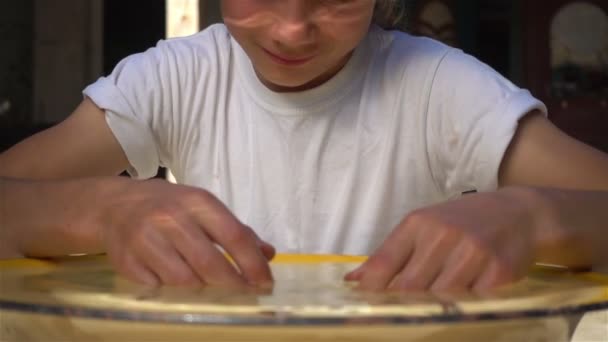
(408, 122)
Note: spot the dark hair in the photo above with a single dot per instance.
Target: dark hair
(391, 14)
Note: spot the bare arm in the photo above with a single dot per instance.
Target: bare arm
(153, 231)
(552, 207)
(55, 200)
(566, 182)
(51, 218)
(541, 155)
(81, 146)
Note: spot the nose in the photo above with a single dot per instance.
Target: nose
(296, 26)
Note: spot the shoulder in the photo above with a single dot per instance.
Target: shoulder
(214, 36)
(212, 42)
(439, 66)
(401, 50)
(200, 53)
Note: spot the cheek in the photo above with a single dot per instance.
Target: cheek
(246, 14)
(347, 33)
(352, 21)
(237, 8)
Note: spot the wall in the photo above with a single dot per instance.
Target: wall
(130, 27)
(210, 12)
(49, 51)
(67, 54)
(16, 22)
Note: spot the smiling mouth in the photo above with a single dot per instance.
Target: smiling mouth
(289, 61)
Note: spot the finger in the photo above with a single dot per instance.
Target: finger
(425, 264)
(237, 239)
(205, 258)
(354, 275)
(462, 267)
(495, 275)
(137, 272)
(159, 255)
(268, 250)
(376, 273)
(251, 257)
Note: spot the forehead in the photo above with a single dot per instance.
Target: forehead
(304, 4)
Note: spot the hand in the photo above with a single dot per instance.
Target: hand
(155, 232)
(8, 249)
(479, 241)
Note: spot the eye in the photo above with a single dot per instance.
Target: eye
(341, 7)
(337, 2)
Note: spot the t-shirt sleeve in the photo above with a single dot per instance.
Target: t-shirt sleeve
(132, 98)
(473, 114)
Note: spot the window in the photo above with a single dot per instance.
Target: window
(436, 20)
(579, 51)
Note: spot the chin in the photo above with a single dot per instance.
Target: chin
(283, 82)
(291, 83)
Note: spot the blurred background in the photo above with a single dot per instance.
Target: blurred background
(51, 49)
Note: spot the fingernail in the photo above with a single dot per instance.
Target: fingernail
(355, 274)
(349, 276)
(261, 284)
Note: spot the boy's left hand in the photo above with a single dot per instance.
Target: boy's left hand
(479, 241)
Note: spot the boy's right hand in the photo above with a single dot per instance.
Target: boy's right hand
(155, 232)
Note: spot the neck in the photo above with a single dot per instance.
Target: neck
(317, 81)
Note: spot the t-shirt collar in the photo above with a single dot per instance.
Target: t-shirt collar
(308, 101)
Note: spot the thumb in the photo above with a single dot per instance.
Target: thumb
(267, 249)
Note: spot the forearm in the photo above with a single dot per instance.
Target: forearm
(571, 226)
(49, 218)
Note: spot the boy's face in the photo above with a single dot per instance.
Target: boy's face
(297, 44)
